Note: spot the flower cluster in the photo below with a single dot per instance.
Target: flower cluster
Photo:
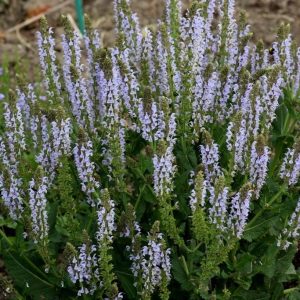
(85, 169)
(92, 268)
(239, 211)
(48, 60)
(84, 270)
(55, 142)
(290, 168)
(12, 195)
(152, 262)
(106, 218)
(210, 159)
(38, 207)
(198, 193)
(292, 231)
(164, 163)
(218, 200)
(227, 214)
(260, 156)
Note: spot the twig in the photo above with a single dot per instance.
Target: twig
(73, 24)
(36, 18)
(99, 22)
(23, 41)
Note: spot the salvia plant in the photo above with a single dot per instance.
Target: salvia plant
(165, 167)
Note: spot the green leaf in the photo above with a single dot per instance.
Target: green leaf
(180, 275)
(277, 290)
(294, 295)
(284, 260)
(260, 227)
(25, 275)
(127, 284)
(268, 261)
(291, 270)
(245, 282)
(245, 263)
(241, 294)
(8, 223)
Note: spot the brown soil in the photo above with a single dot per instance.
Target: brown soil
(264, 16)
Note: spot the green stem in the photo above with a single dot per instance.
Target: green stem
(197, 247)
(139, 197)
(91, 220)
(185, 267)
(286, 124)
(185, 248)
(5, 237)
(292, 125)
(183, 146)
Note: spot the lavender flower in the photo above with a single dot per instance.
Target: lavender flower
(199, 192)
(194, 74)
(164, 164)
(38, 207)
(286, 49)
(297, 78)
(164, 170)
(153, 124)
(128, 24)
(55, 143)
(12, 195)
(260, 155)
(42, 56)
(52, 54)
(157, 261)
(210, 159)
(84, 270)
(218, 200)
(240, 146)
(239, 211)
(85, 168)
(291, 231)
(147, 56)
(271, 95)
(48, 62)
(290, 168)
(14, 131)
(106, 219)
(76, 84)
(152, 262)
(232, 37)
(162, 71)
(199, 44)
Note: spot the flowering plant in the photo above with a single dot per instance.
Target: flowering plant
(167, 166)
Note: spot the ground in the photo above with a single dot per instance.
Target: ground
(264, 16)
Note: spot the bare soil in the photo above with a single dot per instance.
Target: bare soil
(264, 16)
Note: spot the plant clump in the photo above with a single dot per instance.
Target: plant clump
(166, 166)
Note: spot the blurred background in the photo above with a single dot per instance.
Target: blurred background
(263, 15)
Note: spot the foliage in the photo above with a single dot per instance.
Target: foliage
(165, 167)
